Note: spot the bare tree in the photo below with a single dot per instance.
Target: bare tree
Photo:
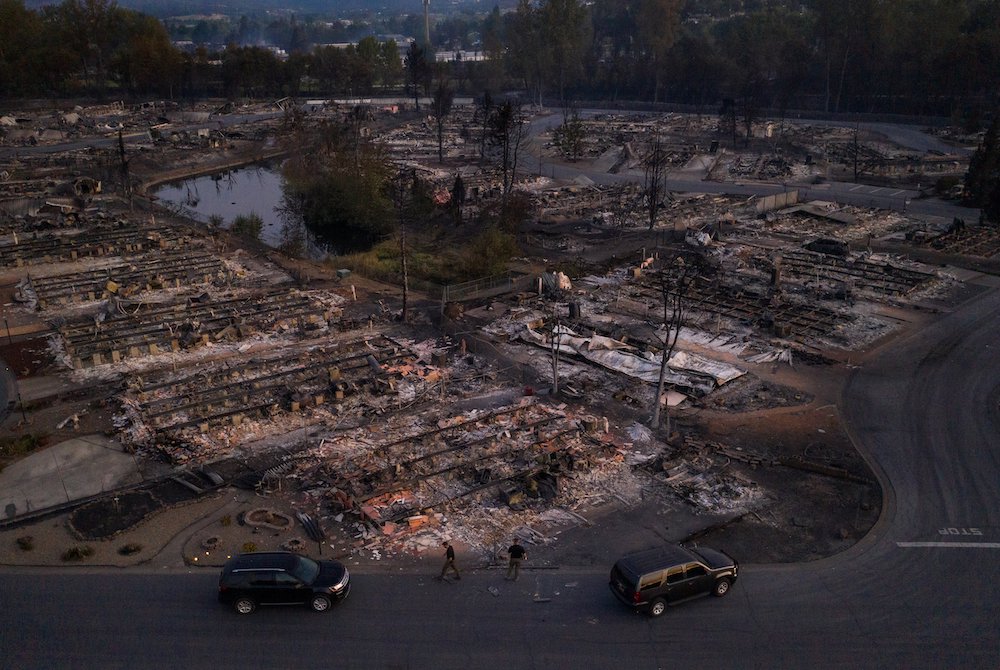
(440, 109)
(458, 198)
(674, 283)
(483, 113)
(508, 129)
(126, 177)
(727, 116)
(656, 167)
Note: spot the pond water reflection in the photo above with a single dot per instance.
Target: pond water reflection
(253, 189)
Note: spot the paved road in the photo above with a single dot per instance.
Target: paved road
(919, 592)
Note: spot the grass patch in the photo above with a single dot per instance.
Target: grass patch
(481, 255)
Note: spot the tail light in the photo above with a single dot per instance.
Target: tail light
(636, 598)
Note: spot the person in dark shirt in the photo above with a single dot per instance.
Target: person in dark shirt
(449, 561)
(517, 554)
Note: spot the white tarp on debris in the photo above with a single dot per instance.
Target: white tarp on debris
(688, 371)
(773, 356)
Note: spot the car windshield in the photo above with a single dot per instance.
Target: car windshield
(305, 569)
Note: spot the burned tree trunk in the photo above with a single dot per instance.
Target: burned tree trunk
(656, 165)
(673, 288)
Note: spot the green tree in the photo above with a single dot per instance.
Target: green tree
(250, 71)
(612, 61)
(341, 189)
(565, 30)
(91, 29)
(331, 65)
(528, 53)
(493, 46)
(490, 251)
(658, 22)
(22, 44)
(418, 71)
(367, 64)
(390, 67)
(146, 62)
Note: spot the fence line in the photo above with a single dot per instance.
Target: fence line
(479, 288)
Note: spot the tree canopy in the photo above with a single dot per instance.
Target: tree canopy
(340, 189)
(915, 57)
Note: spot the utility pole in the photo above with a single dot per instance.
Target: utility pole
(405, 180)
(555, 344)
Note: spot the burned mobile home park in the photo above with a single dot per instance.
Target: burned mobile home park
(380, 414)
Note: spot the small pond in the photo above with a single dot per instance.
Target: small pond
(252, 189)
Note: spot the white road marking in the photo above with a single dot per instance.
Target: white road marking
(897, 193)
(952, 545)
(873, 191)
(854, 188)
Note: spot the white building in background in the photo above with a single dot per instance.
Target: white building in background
(459, 55)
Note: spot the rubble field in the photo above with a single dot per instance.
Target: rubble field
(523, 411)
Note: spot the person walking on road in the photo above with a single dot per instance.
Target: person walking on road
(449, 560)
(517, 554)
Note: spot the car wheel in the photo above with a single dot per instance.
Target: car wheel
(320, 603)
(721, 587)
(244, 606)
(658, 607)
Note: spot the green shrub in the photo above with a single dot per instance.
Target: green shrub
(26, 542)
(248, 226)
(77, 553)
(249, 547)
(489, 252)
(18, 446)
(129, 549)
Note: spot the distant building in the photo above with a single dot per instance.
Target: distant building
(459, 55)
(278, 52)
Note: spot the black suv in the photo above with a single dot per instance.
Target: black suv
(651, 580)
(281, 578)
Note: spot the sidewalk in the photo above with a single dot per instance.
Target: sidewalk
(77, 468)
